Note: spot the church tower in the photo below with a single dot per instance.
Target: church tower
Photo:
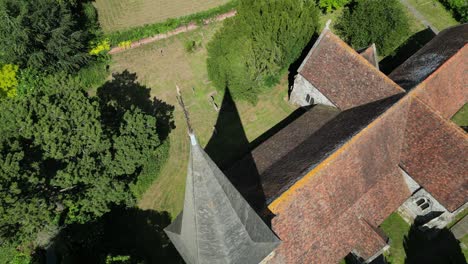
(217, 225)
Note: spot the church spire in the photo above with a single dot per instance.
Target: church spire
(216, 224)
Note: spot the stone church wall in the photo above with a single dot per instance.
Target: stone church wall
(303, 90)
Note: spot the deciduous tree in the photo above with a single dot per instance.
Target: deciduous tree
(59, 162)
(384, 23)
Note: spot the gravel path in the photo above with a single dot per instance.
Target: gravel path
(182, 29)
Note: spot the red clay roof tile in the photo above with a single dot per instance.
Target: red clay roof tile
(343, 76)
(435, 154)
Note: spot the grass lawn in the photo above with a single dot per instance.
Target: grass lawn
(395, 228)
(333, 16)
(115, 15)
(174, 66)
(464, 246)
(461, 117)
(435, 13)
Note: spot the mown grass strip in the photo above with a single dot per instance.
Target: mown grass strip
(146, 31)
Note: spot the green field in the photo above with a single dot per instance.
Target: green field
(174, 66)
(115, 15)
(434, 12)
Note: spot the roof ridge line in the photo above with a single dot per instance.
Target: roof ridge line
(319, 39)
(241, 196)
(436, 71)
(439, 116)
(194, 204)
(372, 67)
(277, 203)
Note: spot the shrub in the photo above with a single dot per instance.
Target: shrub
(190, 46)
(384, 23)
(125, 44)
(8, 80)
(100, 47)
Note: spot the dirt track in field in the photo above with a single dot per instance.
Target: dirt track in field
(190, 27)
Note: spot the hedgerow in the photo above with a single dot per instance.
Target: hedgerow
(145, 31)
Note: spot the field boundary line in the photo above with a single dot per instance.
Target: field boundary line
(182, 29)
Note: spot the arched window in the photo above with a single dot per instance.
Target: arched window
(423, 203)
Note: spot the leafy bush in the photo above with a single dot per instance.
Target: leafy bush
(145, 31)
(100, 47)
(94, 74)
(8, 80)
(125, 44)
(459, 8)
(384, 23)
(329, 5)
(251, 49)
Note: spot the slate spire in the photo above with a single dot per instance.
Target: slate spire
(217, 225)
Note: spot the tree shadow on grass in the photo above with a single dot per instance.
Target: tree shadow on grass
(406, 50)
(124, 92)
(432, 246)
(130, 232)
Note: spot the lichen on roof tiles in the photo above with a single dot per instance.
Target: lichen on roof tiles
(346, 78)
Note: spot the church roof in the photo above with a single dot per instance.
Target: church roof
(346, 78)
(435, 154)
(358, 182)
(353, 229)
(288, 155)
(424, 62)
(217, 225)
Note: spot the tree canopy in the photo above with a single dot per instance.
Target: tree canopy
(42, 34)
(384, 23)
(459, 8)
(252, 48)
(63, 161)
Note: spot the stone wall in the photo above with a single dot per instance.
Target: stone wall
(302, 89)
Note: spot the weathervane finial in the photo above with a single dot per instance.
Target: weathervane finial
(186, 114)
